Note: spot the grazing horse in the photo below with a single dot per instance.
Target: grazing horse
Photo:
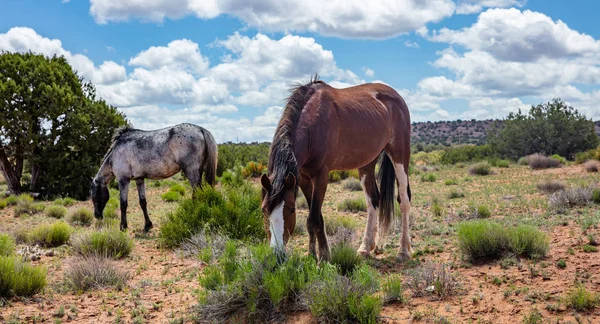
(322, 129)
(136, 155)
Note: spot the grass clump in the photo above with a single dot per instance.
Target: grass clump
(454, 194)
(171, 196)
(482, 169)
(3, 203)
(351, 184)
(581, 300)
(484, 240)
(107, 242)
(479, 211)
(534, 317)
(301, 202)
(550, 186)
(596, 196)
(352, 205)
(345, 258)
(25, 206)
(393, 291)
(432, 279)
(81, 217)
(562, 200)
(592, 166)
(338, 175)
(561, 264)
(539, 161)
(232, 211)
(49, 235)
(429, 177)
(335, 223)
(7, 245)
(19, 279)
(587, 248)
(179, 188)
(502, 163)
(91, 273)
(66, 201)
(56, 211)
(11, 200)
(451, 182)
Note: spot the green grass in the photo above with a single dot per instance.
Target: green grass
(502, 163)
(19, 279)
(107, 242)
(455, 193)
(49, 235)
(233, 211)
(56, 211)
(171, 196)
(589, 248)
(345, 258)
(429, 177)
(581, 300)
(335, 222)
(25, 206)
(596, 196)
(393, 291)
(483, 240)
(7, 245)
(451, 182)
(66, 201)
(561, 264)
(352, 205)
(351, 184)
(179, 188)
(81, 217)
(481, 169)
(3, 203)
(11, 200)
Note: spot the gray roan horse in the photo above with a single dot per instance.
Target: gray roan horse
(136, 155)
(324, 129)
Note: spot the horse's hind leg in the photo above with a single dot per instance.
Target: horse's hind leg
(123, 191)
(369, 185)
(194, 176)
(400, 162)
(141, 188)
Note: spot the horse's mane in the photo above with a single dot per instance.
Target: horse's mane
(282, 160)
(115, 138)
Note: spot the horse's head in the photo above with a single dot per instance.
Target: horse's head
(100, 196)
(279, 208)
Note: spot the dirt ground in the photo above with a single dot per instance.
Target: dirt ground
(163, 283)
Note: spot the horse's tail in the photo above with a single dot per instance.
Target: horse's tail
(387, 182)
(210, 158)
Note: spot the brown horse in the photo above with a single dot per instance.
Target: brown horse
(324, 129)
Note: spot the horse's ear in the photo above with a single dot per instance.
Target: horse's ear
(266, 182)
(290, 181)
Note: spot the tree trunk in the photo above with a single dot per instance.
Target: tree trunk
(10, 175)
(36, 171)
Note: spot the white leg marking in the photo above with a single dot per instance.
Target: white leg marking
(405, 247)
(276, 226)
(370, 236)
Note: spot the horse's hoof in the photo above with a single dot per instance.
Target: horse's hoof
(363, 252)
(123, 228)
(148, 227)
(404, 256)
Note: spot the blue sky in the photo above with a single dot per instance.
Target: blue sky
(227, 65)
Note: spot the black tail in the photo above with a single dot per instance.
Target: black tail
(387, 186)
(210, 158)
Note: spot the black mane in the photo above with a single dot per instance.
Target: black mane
(115, 137)
(282, 160)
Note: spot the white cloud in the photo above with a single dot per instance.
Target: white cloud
(342, 18)
(411, 44)
(368, 72)
(24, 39)
(178, 54)
(474, 6)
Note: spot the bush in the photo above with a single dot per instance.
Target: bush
(107, 242)
(466, 153)
(81, 217)
(539, 161)
(179, 188)
(432, 278)
(393, 292)
(591, 166)
(66, 201)
(596, 196)
(26, 206)
(338, 175)
(550, 186)
(429, 177)
(482, 169)
(49, 235)
(3, 203)
(345, 258)
(232, 211)
(581, 300)
(451, 182)
(593, 154)
(482, 240)
(11, 200)
(56, 211)
(436, 208)
(352, 184)
(254, 170)
(559, 158)
(453, 194)
(171, 196)
(523, 161)
(91, 273)
(481, 211)
(335, 222)
(560, 201)
(233, 177)
(207, 246)
(502, 163)
(7, 245)
(19, 279)
(352, 205)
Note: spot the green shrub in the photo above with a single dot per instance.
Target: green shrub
(91, 273)
(11, 200)
(393, 291)
(24, 197)
(502, 163)
(352, 205)
(466, 153)
(550, 186)
(339, 175)
(81, 217)
(233, 211)
(179, 188)
(49, 235)
(482, 169)
(539, 161)
(7, 245)
(66, 201)
(482, 239)
(171, 196)
(581, 300)
(481, 211)
(593, 154)
(352, 184)
(335, 222)
(429, 177)
(587, 248)
(26, 206)
(432, 278)
(523, 161)
(561, 264)
(3, 203)
(232, 177)
(301, 202)
(106, 242)
(436, 208)
(451, 182)
(559, 158)
(254, 170)
(56, 211)
(534, 317)
(453, 194)
(596, 196)
(345, 258)
(20, 279)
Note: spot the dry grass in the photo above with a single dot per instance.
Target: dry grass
(539, 161)
(94, 272)
(591, 166)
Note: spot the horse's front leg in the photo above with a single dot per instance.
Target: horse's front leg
(141, 188)
(315, 223)
(124, 191)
